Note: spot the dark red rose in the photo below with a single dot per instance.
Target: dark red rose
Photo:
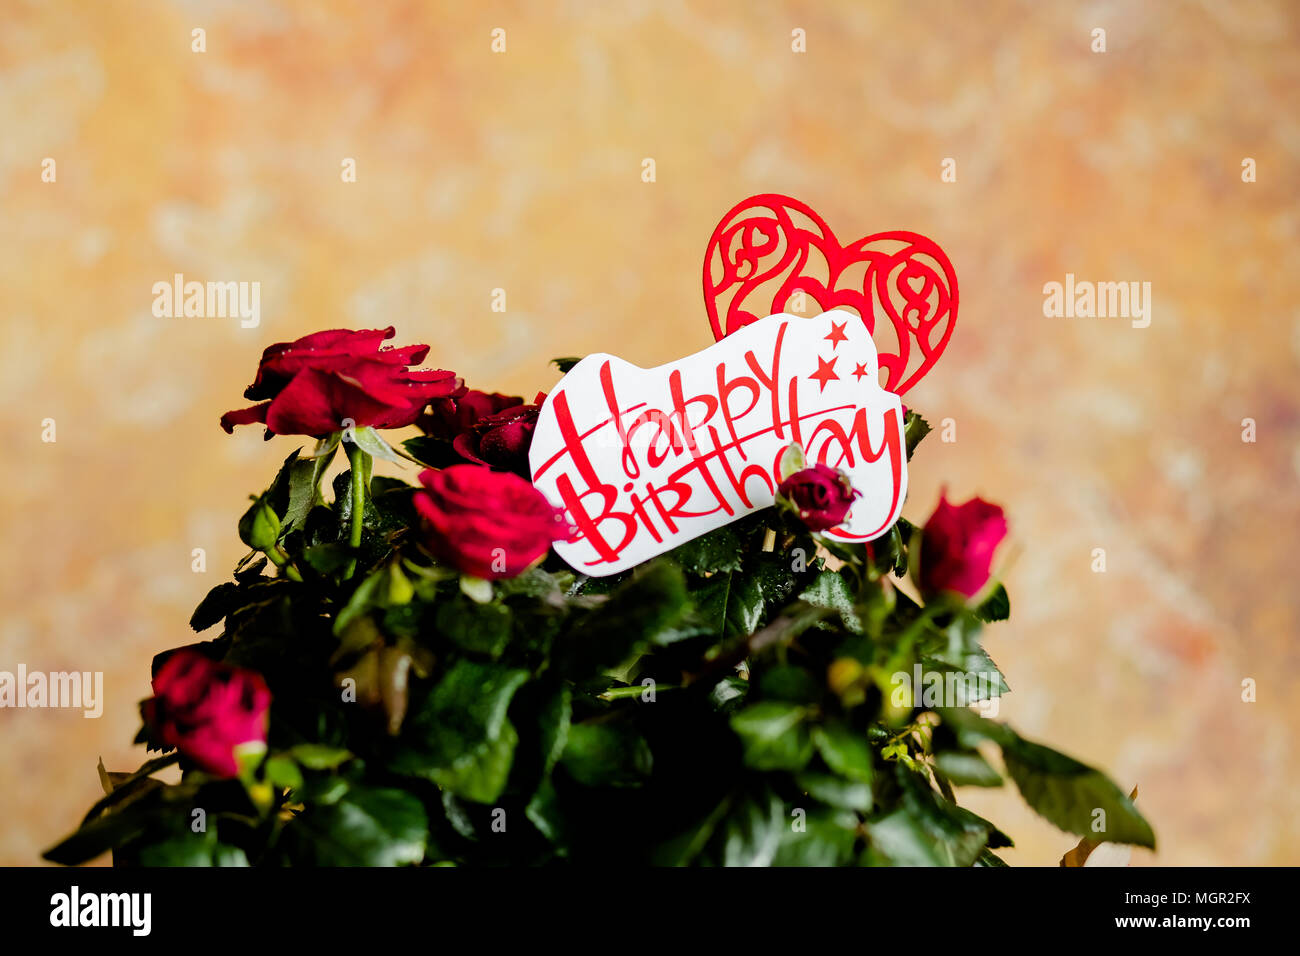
(820, 495)
(323, 382)
(449, 417)
(502, 439)
(485, 523)
(206, 710)
(483, 428)
(957, 546)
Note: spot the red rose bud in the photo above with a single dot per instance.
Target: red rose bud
(820, 495)
(486, 523)
(207, 710)
(957, 546)
(323, 382)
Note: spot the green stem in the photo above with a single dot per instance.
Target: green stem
(280, 558)
(636, 690)
(356, 461)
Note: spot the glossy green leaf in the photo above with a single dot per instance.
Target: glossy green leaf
(367, 827)
(967, 769)
(844, 750)
(774, 734)
(606, 755)
(1074, 796)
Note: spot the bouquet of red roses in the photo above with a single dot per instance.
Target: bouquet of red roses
(406, 673)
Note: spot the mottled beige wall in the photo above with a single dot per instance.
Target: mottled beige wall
(522, 171)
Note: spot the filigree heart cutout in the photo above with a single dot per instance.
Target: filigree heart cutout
(770, 248)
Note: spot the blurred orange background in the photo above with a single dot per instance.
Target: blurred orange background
(522, 170)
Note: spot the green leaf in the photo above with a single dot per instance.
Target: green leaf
(754, 832)
(914, 429)
(966, 768)
(366, 596)
(324, 446)
(789, 683)
(100, 835)
(826, 838)
(942, 684)
(566, 363)
(370, 442)
(366, 827)
(735, 604)
(681, 849)
(536, 583)
(543, 811)
(903, 839)
(320, 756)
(1074, 796)
(480, 772)
(889, 551)
(836, 791)
(283, 773)
(555, 720)
(296, 489)
(996, 607)
(971, 728)
(774, 735)
(187, 848)
(431, 451)
(646, 605)
(719, 550)
(606, 755)
(216, 605)
(729, 693)
(326, 557)
(957, 836)
(460, 739)
(830, 590)
(477, 628)
(844, 750)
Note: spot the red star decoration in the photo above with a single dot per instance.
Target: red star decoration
(825, 372)
(861, 371)
(837, 333)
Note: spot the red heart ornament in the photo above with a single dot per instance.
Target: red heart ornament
(775, 246)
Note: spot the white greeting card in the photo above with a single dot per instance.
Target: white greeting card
(643, 460)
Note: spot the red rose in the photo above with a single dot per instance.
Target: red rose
(821, 495)
(449, 417)
(957, 546)
(206, 709)
(322, 382)
(484, 428)
(502, 439)
(486, 523)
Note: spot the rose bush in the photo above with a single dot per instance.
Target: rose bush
(433, 669)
